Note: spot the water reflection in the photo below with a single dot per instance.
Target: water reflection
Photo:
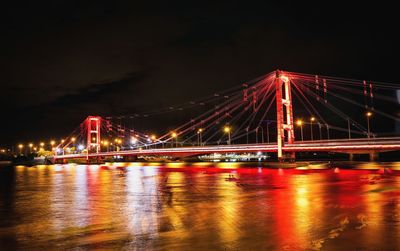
(138, 206)
(142, 202)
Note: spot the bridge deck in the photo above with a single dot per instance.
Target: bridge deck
(341, 146)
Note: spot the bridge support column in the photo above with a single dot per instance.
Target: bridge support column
(374, 156)
(290, 156)
(351, 156)
(284, 105)
(131, 158)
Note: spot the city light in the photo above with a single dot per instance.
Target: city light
(200, 130)
(20, 146)
(369, 114)
(312, 119)
(174, 135)
(41, 144)
(227, 129)
(73, 139)
(81, 147)
(299, 122)
(153, 137)
(133, 140)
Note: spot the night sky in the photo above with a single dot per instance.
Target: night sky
(63, 60)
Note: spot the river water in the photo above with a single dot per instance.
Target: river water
(133, 206)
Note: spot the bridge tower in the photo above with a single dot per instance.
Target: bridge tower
(284, 105)
(93, 124)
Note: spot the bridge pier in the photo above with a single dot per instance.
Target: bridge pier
(60, 161)
(132, 158)
(94, 160)
(290, 156)
(374, 156)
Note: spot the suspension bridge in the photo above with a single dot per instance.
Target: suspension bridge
(281, 112)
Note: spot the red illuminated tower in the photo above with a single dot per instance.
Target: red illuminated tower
(93, 133)
(284, 105)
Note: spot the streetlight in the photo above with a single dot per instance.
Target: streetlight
(368, 114)
(30, 147)
(52, 144)
(256, 131)
(227, 130)
(199, 136)
(153, 139)
(247, 135)
(118, 142)
(73, 139)
(300, 123)
(262, 134)
(327, 131)
(20, 146)
(174, 135)
(320, 130)
(105, 143)
(312, 119)
(348, 127)
(62, 146)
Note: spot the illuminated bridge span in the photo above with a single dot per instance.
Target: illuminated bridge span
(351, 146)
(280, 112)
